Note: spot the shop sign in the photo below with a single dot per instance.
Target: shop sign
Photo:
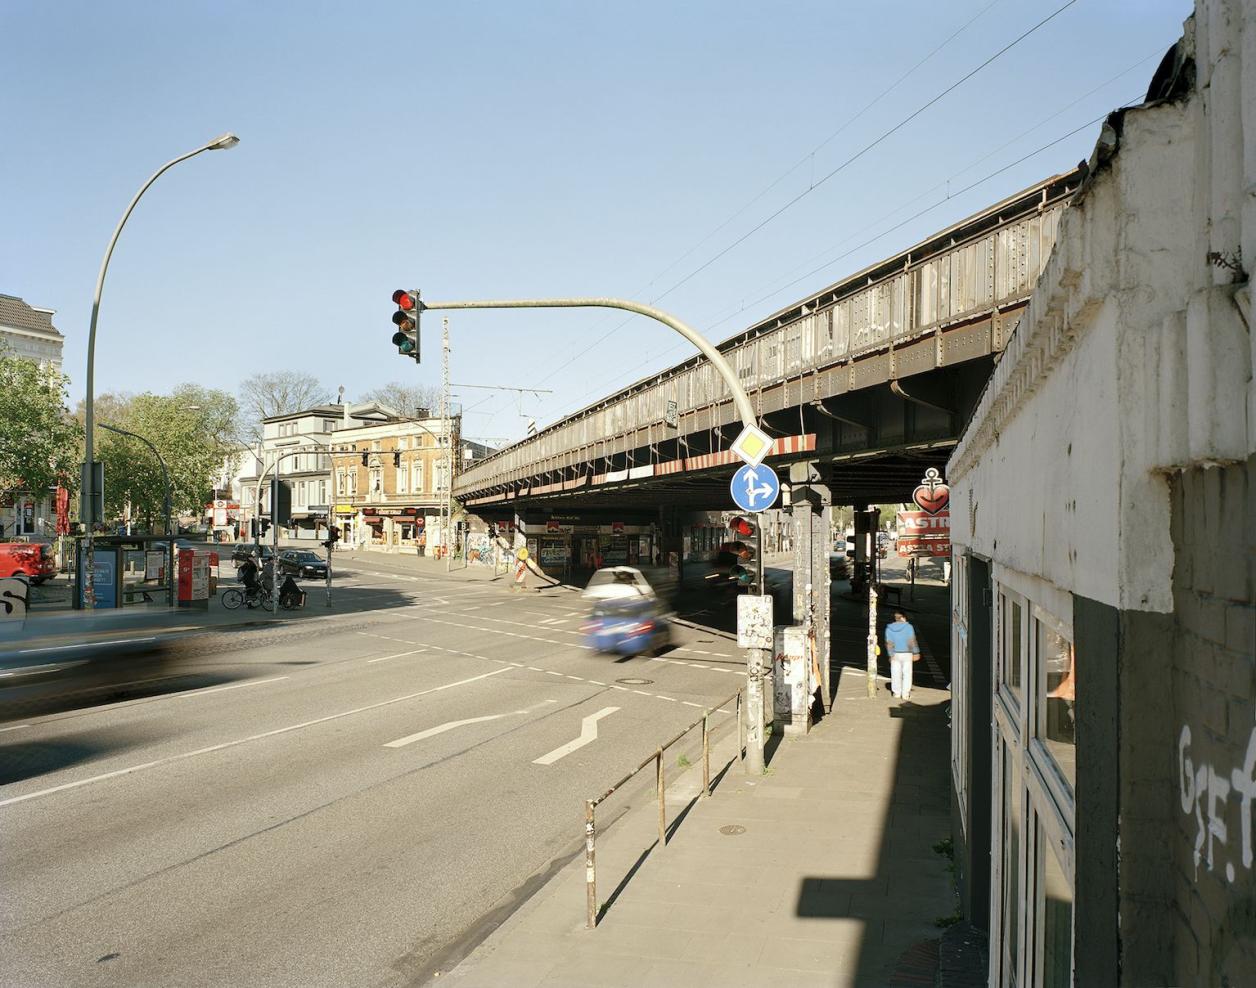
(617, 528)
(923, 534)
(933, 495)
(344, 509)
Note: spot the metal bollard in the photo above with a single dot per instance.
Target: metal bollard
(662, 807)
(706, 755)
(590, 874)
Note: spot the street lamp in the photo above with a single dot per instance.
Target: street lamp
(169, 512)
(225, 142)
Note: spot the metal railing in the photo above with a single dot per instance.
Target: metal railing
(660, 783)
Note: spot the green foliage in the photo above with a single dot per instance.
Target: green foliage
(192, 429)
(38, 439)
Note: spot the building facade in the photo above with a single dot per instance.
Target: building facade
(391, 482)
(1103, 520)
(298, 447)
(28, 332)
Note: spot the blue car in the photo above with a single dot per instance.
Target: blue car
(628, 627)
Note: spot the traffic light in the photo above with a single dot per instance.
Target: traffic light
(366, 457)
(746, 548)
(333, 536)
(280, 501)
(406, 319)
(263, 526)
(397, 458)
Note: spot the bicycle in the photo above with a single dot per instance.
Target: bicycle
(233, 598)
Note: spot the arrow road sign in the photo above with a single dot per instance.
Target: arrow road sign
(755, 488)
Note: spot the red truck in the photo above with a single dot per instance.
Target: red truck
(31, 559)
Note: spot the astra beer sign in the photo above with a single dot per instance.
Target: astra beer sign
(927, 532)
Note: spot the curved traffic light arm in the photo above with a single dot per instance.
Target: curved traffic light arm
(744, 409)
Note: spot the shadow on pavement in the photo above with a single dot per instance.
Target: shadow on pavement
(21, 760)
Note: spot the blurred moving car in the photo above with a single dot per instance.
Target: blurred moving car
(628, 626)
(302, 562)
(617, 583)
(34, 560)
(629, 616)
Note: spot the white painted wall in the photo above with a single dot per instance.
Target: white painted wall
(1135, 356)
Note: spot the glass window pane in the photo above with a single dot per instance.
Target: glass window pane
(1011, 867)
(1057, 656)
(1013, 652)
(1057, 923)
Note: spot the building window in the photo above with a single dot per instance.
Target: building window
(1010, 925)
(403, 475)
(329, 425)
(353, 483)
(416, 476)
(1055, 905)
(442, 477)
(377, 480)
(375, 445)
(1012, 625)
(302, 500)
(340, 483)
(1057, 694)
(322, 492)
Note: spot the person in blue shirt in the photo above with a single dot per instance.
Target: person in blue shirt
(901, 645)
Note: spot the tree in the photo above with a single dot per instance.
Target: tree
(278, 393)
(192, 429)
(38, 438)
(406, 398)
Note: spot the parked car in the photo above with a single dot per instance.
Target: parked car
(30, 559)
(244, 550)
(629, 626)
(302, 562)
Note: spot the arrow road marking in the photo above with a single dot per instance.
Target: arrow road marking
(588, 733)
(431, 732)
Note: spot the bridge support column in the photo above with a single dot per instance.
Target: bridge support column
(810, 509)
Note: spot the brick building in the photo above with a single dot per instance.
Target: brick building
(1104, 529)
(392, 481)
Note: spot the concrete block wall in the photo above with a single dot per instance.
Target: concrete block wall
(1212, 682)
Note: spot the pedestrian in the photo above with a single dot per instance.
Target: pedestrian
(901, 644)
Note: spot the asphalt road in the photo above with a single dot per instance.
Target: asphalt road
(349, 801)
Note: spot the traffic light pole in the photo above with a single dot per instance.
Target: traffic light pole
(745, 410)
(755, 660)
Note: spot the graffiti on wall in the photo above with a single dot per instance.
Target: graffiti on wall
(1208, 794)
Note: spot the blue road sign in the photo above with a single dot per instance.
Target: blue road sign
(755, 488)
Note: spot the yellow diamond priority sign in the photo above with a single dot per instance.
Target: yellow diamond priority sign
(752, 445)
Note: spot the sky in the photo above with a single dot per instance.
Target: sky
(511, 150)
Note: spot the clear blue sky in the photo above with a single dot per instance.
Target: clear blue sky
(503, 150)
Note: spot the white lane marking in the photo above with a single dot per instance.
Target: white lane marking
(131, 769)
(597, 682)
(234, 686)
(431, 732)
(14, 727)
(534, 669)
(91, 644)
(643, 692)
(510, 634)
(662, 697)
(551, 672)
(690, 703)
(397, 655)
(588, 734)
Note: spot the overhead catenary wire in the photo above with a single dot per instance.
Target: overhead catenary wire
(899, 225)
(809, 156)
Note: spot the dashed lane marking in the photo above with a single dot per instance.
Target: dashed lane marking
(182, 756)
(396, 655)
(442, 728)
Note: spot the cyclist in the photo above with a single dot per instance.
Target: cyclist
(247, 574)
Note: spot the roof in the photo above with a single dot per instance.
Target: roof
(19, 315)
(370, 411)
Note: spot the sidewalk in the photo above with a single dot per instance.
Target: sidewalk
(819, 873)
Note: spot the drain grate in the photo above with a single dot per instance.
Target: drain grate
(732, 830)
(635, 682)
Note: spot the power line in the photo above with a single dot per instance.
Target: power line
(899, 225)
(810, 155)
(866, 148)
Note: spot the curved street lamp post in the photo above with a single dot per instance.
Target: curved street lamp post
(89, 495)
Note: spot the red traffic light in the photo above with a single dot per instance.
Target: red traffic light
(403, 299)
(741, 526)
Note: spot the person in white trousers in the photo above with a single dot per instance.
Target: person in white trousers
(903, 649)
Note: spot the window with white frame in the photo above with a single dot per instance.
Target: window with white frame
(353, 483)
(403, 477)
(376, 481)
(442, 476)
(322, 492)
(1032, 892)
(416, 476)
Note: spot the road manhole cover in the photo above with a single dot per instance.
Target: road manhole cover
(732, 830)
(635, 682)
